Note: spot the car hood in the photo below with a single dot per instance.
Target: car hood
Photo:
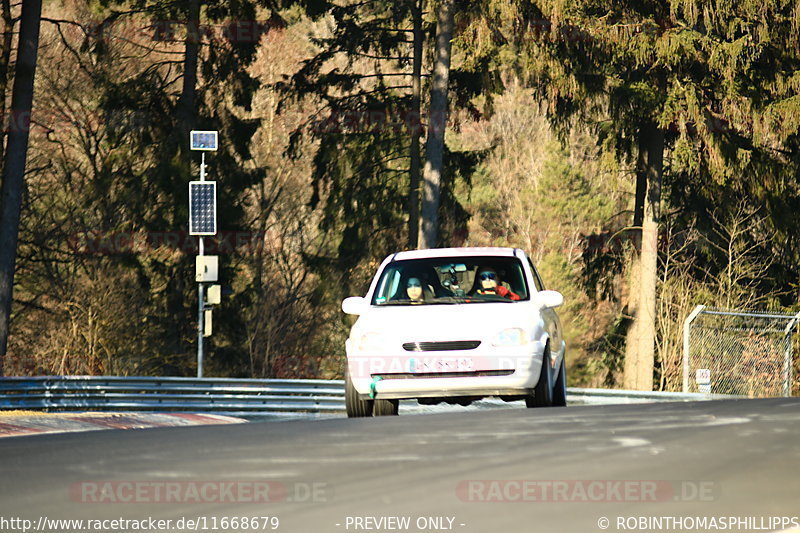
(445, 322)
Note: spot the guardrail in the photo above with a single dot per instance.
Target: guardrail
(603, 396)
(218, 395)
(240, 397)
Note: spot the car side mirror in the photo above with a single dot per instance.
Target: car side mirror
(355, 305)
(550, 299)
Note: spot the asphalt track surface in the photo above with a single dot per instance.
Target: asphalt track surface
(737, 458)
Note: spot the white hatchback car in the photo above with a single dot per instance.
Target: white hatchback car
(454, 325)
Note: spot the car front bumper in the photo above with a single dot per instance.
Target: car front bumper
(405, 376)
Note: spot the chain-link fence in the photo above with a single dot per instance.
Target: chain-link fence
(743, 353)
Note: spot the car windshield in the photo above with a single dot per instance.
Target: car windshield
(452, 280)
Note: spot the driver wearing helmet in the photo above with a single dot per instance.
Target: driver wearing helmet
(489, 284)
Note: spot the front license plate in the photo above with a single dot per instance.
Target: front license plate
(435, 365)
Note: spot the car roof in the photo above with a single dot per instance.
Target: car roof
(454, 252)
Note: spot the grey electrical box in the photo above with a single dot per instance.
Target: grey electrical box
(214, 295)
(206, 268)
(207, 328)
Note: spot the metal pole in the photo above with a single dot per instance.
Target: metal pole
(200, 289)
(787, 356)
(687, 324)
(200, 327)
(787, 364)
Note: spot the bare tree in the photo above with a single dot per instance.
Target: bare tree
(15, 158)
(5, 61)
(737, 238)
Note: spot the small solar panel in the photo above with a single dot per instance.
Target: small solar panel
(202, 208)
(204, 140)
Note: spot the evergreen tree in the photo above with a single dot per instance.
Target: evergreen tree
(369, 126)
(666, 77)
(434, 149)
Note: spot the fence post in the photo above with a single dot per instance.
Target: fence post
(787, 356)
(686, 326)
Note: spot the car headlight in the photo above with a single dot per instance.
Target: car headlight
(510, 337)
(370, 342)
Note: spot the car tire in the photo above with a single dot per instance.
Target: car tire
(560, 386)
(356, 407)
(386, 407)
(543, 393)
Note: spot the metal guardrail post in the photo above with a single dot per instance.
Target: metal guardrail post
(687, 324)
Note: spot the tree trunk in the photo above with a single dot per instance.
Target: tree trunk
(635, 267)
(185, 115)
(437, 121)
(5, 61)
(415, 124)
(641, 183)
(645, 358)
(16, 156)
(187, 105)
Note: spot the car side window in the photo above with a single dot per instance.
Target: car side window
(537, 281)
(388, 286)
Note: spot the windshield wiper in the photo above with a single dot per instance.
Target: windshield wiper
(485, 298)
(395, 302)
(449, 300)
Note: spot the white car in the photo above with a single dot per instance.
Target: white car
(454, 325)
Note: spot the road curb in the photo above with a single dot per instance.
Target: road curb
(46, 423)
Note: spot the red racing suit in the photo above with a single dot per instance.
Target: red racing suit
(500, 291)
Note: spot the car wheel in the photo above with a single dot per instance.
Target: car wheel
(356, 407)
(543, 393)
(386, 407)
(560, 386)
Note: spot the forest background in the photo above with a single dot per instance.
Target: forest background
(564, 120)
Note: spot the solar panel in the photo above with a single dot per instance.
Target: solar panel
(202, 208)
(204, 140)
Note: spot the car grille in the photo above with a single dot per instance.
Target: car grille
(440, 346)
